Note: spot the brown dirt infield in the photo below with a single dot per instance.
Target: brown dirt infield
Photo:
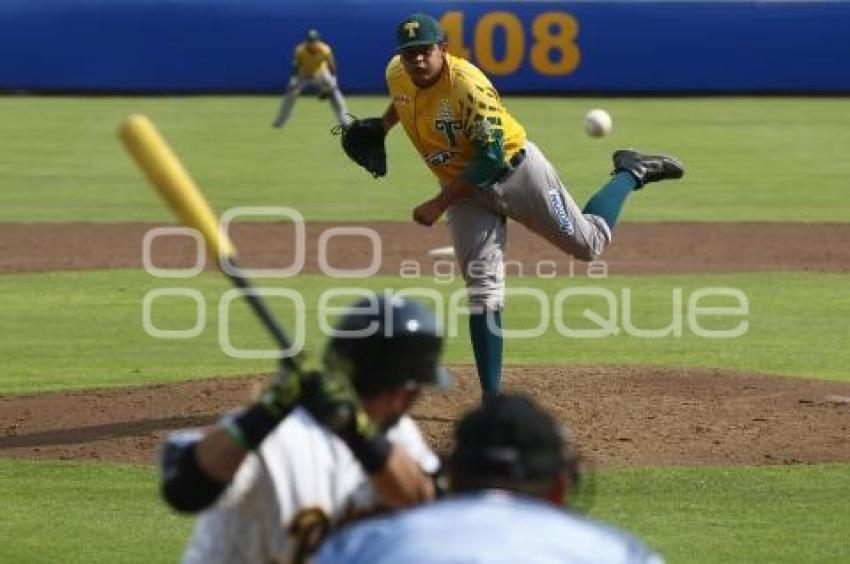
(638, 248)
(618, 415)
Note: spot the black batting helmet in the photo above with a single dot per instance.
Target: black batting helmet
(385, 342)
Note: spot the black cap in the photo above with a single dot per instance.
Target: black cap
(510, 439)
(313, 35)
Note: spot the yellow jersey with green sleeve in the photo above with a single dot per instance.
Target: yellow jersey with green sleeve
(307, 64)
(459, 125)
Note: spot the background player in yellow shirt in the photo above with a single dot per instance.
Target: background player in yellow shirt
(488, 171)
(313, 67)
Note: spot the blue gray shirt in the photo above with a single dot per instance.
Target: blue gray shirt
(490, 527)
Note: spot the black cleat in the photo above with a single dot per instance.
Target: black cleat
(647, 168)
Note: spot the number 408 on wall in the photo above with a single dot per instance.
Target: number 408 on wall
(553, 50)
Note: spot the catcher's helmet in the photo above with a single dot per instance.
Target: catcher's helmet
(384, 342)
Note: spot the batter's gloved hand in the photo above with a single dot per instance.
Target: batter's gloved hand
(363, 142)
(283, 393)
(250, 426)
(332, 400)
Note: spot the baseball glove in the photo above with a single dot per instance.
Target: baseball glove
(363, 142)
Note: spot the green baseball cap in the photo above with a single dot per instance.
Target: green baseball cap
(419, 29)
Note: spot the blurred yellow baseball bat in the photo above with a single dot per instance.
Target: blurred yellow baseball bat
(172, 181)
(165, 171)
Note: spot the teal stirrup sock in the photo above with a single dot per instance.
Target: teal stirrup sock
(487, 347)
(609, 200)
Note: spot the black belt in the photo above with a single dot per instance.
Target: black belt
(513, 164)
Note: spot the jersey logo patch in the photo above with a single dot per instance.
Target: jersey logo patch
(446, 122)
(445, 113)
(482, 130)
(402, 99)
(439, 158)
(565, 225)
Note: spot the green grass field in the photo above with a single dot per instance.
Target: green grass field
(116, 350)
(83, 513)
(742, 514)
(749, 159)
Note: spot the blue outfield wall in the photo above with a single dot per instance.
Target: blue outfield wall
(570, 47)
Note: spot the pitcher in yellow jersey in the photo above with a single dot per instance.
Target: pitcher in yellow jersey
(313, 67)
(488, 171)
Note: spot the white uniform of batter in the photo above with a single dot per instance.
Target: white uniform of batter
(303, 483)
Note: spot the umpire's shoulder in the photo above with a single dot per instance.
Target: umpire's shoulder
(360, 543)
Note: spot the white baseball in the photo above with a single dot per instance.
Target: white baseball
(597, 123)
